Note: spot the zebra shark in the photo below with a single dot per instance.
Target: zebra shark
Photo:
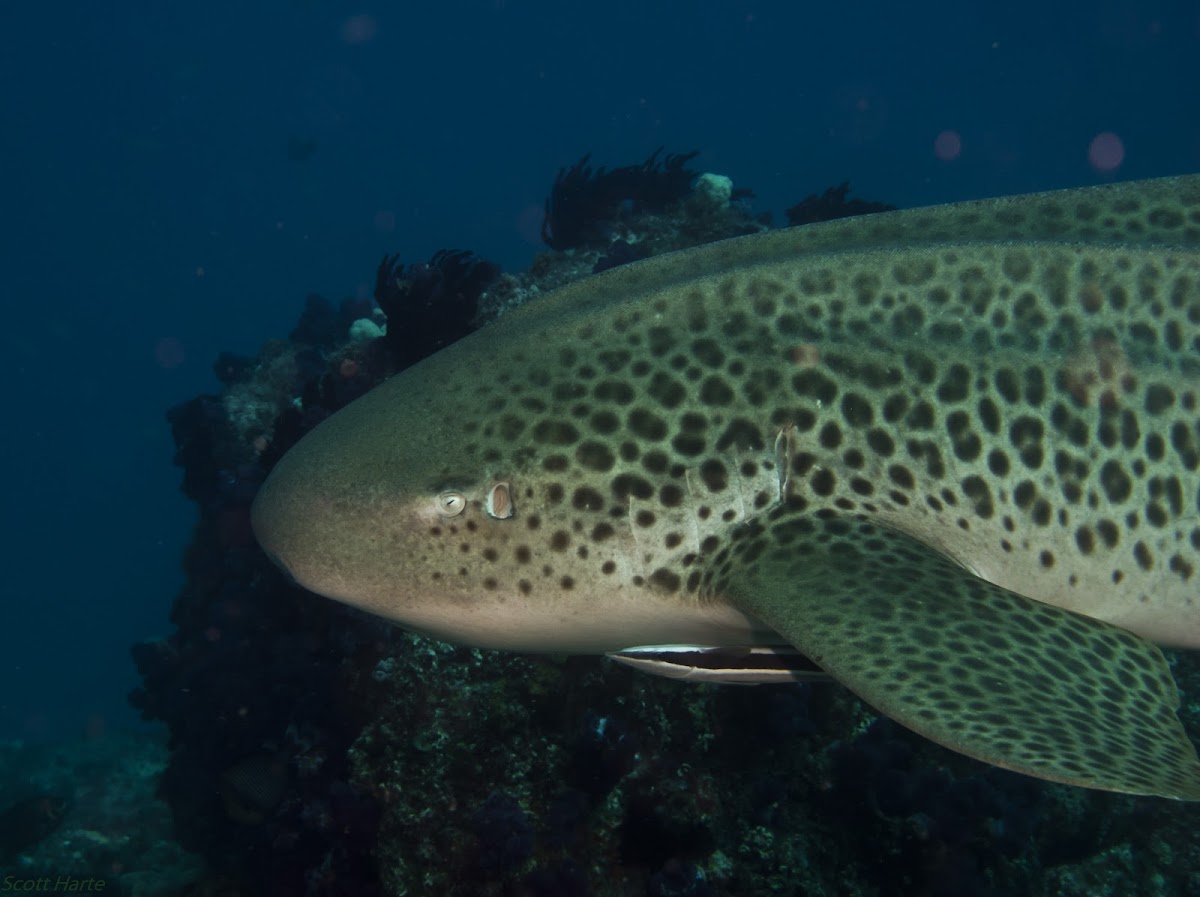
(950, 455)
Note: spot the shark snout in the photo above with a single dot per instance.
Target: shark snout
(278, 519)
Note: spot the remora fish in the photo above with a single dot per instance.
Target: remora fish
(952, 455)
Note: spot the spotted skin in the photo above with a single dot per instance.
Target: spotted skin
(997, 400)
(983, 670)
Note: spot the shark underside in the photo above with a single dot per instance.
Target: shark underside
(949, 455)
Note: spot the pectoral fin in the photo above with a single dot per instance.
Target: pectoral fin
(979, 669)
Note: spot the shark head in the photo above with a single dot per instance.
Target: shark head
(482, 507)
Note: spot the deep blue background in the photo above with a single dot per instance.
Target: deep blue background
(152, 216)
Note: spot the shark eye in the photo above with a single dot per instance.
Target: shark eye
(450, 504)
(499, 501)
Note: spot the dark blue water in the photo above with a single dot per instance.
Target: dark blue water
(176, 178)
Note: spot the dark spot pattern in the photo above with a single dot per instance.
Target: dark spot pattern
(970, 665)
(1025, 399)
